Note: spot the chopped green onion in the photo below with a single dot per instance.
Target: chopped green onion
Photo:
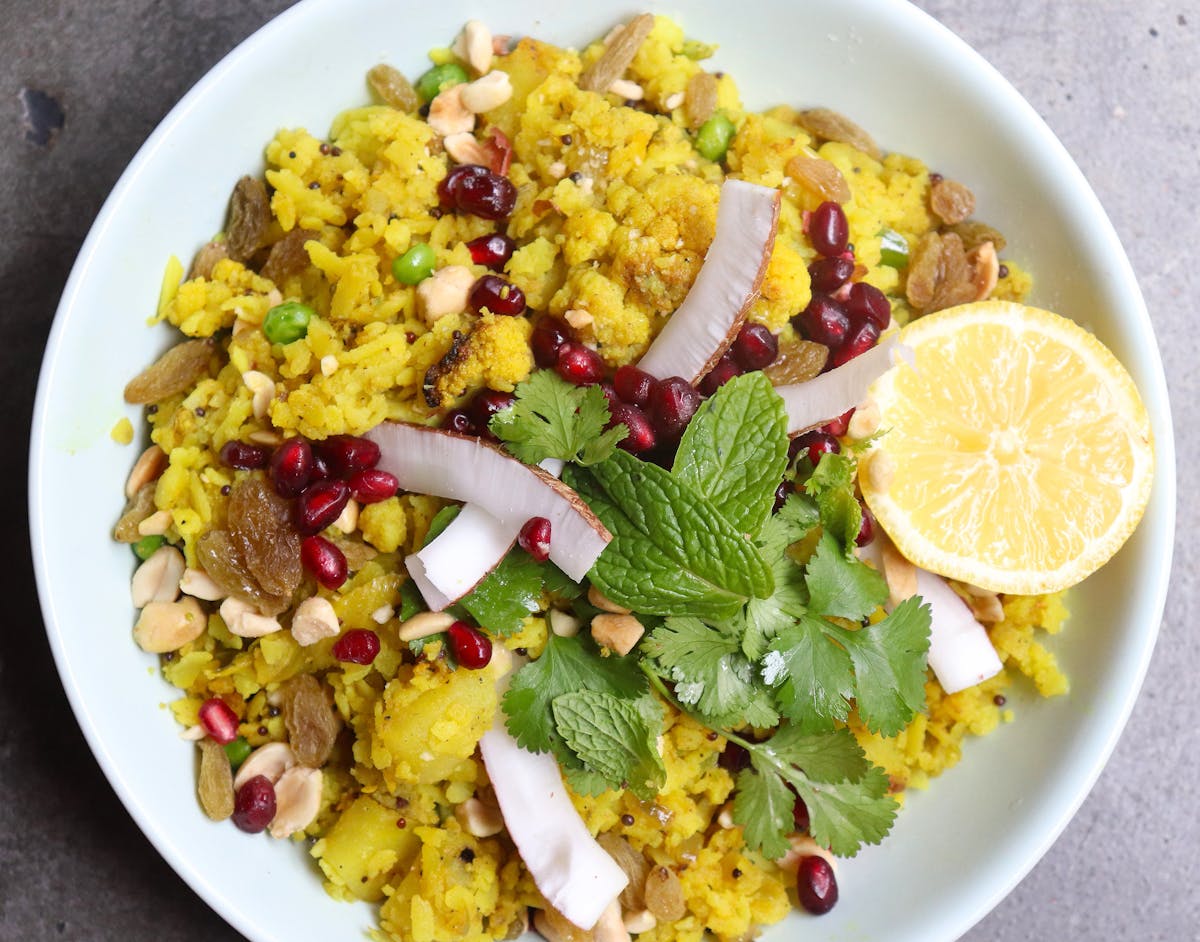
(439, 78)
(237, 751)
(893, 249)
(287, 322)
(712, 140)
(147, 546)
(415, 265)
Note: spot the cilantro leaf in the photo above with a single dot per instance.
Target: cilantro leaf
(847, 800)
(889, 666)
(672, 552)
(764, 618)
(814, 676)
(831, 485)
(507, 595)
(711, 674)
(552, 418)
(410, 600)
(840, 586)
(612, 737)
(819, 666)
(442, 519)
(566, 665)
(734, 451)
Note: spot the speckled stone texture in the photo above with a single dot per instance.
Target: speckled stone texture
(1118, 81)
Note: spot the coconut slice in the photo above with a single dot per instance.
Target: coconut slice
(462, 555)
(827, 396)
(960, 651)
(726, 285)
(434, 461)
(573, 872)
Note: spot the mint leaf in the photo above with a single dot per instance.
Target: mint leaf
(672, 552)
(734, 451)
(612, 738)
(710, 673)
(814, 677)
(845, 812)
(840, 586)
(507, 595)
(567, 665)
(831, 485)
(552, 418)
(889, 666)
(764, 618)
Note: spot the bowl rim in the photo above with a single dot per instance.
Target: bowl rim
(1154, 389)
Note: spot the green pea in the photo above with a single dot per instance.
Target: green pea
(147, 546)
(237, 751)
(287, 322)
(712, 140)
(439, 78)
(415, 265)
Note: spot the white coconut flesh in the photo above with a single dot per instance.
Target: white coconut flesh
(961, 654)
(460, 557)
(573, 872)
(843, 388)
(434, 461)
(704, 325)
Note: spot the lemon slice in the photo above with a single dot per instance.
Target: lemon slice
(1016, 454)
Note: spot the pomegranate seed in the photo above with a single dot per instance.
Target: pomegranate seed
(497, 295)
(825, 321)
(641, 437)
(829, 274)
(486, 404)
(548, 338)
(828, 230)
(734, 758)
(839, 426)
(725, 370)
(457, 420)
(357, 646)
(579, 364)
(347, 454)
(755, 347)
(447, 190)
(492, 251)
(610, 393)
(291, 467)
(320, 471)
(781, 495)
(244, 456)
(254, 805)
(861, 339)
(800, 815)
(633, 385)
(816, 885)
(673, 402)
(813, 445)
(534, 538)
(868, 303)
(472, 649)
(372, 486)
(218, 720)
(487, 195)
(319, 505)
(324, 560)
(866, 532)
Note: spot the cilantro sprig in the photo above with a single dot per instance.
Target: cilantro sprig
(552, 418)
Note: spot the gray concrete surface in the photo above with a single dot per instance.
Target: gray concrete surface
(1120, 84)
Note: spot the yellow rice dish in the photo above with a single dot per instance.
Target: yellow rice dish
(616, 205)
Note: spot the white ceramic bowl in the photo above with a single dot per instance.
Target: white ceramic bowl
(957, 849)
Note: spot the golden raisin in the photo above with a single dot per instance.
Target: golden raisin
(819, 177)
(700, 98)
(249, 218)
(664, 895)
(951, 201)
(288, 256)
(974, 234)
(634, 864)
(797, 361)
(827, 125)
(220, 559)
(393, 88)
(215, 784)
(206, 259)
(311, 723)
(138, 508)
(260, 528)
(173, 372)
(618, 54)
